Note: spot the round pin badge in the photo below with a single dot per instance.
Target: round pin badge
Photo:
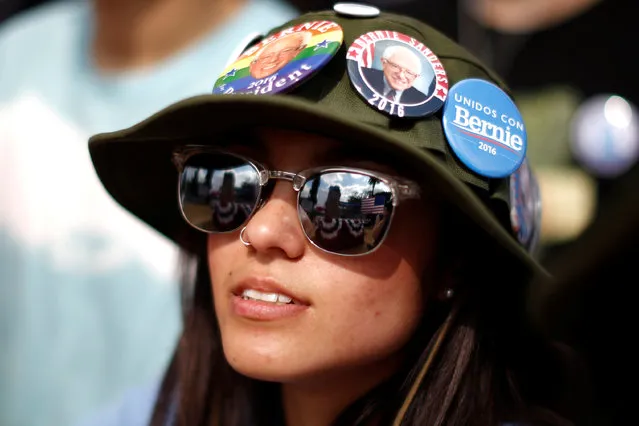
(525, 206)
(605, 135)
(484, 128)
(397, 74)
(356, 10)
(282, 61)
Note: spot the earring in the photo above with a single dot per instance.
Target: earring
(449, 293)
(245, 242)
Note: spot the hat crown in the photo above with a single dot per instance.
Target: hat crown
(331, 87)
(326, 101)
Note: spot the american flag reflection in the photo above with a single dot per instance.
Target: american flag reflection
(373, 205)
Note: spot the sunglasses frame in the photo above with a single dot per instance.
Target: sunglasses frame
(401, 188)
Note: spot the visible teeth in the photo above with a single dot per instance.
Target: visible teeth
(283, 299)
(250, 294)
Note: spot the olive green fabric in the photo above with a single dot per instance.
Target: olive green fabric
(135, 164)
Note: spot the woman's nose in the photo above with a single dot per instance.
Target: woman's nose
(275, 226)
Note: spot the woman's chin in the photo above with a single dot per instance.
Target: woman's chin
(273, 366)
(280, 371)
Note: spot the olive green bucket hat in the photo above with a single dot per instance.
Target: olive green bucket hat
(135, 165)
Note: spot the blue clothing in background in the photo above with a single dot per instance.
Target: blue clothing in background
(89, 301)
(133, 408)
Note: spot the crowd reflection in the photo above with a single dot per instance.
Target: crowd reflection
(219, 199)
(351, 216)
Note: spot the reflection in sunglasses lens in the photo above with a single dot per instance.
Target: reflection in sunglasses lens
(218, 192)
(345, 212)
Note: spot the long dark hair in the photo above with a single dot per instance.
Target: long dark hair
(491, 368)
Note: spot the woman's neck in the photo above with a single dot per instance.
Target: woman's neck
(131, 34)
(319, 402)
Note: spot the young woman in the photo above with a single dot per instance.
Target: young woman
(342, 265)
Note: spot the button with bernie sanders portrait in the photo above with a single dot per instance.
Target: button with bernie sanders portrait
(282, 61)
(397, 74)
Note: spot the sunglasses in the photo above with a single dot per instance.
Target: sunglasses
(342, 210)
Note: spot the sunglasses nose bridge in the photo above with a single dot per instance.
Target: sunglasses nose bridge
(297, 180)
(280, 174)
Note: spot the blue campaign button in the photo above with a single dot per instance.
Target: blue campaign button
(525, 206)
(484, 128)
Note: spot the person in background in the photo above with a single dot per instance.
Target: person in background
(89, 300)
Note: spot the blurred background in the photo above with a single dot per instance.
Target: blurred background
(79, 336)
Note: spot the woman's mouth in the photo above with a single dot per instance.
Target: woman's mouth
(277, 298)
(265, 304)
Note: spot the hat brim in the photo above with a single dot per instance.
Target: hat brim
(135, 164)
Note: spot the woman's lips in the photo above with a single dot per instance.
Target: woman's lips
(264, 311)
(246, 295)
(267, 285)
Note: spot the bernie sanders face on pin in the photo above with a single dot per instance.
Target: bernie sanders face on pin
(274, 56)
(401, 67)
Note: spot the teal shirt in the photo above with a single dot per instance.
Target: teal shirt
(89, 301)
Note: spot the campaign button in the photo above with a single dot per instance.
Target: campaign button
(282, 61)
(484, 128)
(356, 10)
(248, 41)
(605, 135)
(525, 206)
(397, 74)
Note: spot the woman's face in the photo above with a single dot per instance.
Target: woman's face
(351, 313)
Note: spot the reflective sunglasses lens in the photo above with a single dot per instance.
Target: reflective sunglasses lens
(218, 192)
(345, 212)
